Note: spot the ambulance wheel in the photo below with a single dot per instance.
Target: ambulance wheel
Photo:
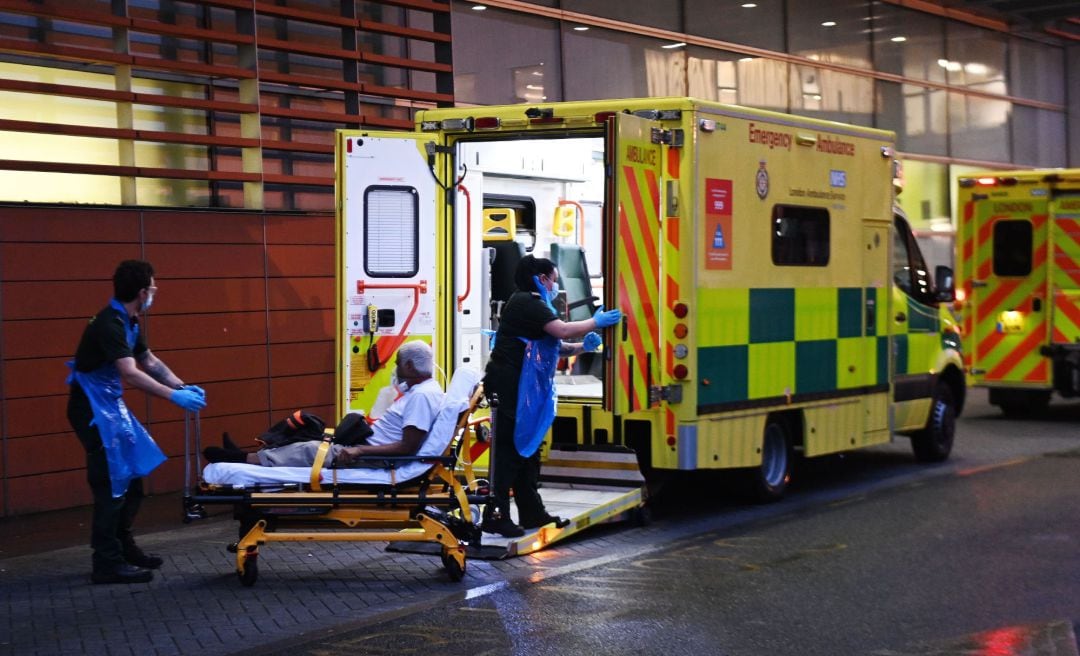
(455, 571)
(251, 571)
(770, 481)
(935, 442)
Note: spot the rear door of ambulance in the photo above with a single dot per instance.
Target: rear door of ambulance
(634, 253)
(1065, 271)
(1009, 309)
(387, 234)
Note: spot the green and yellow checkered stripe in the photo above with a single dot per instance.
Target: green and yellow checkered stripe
(758, 346)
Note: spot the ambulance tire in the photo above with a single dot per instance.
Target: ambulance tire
(934, 443)
(769, 482)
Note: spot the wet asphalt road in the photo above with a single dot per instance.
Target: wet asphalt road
(870, 554)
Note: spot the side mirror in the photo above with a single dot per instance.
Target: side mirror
(944, 284)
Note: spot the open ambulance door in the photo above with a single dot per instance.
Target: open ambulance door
(1009, 292)
(387, 238)
(637, 157)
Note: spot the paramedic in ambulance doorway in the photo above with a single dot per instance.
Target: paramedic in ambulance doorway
(119, 452)
(521, 372)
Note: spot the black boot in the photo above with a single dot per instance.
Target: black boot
(219, 454)
(133, 555)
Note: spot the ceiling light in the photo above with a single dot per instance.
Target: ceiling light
(748, 5)
(898, 39)
(479, 7)
(746, 59)
(829, 24)
(672, 46)
(976, 68)
(581, 28)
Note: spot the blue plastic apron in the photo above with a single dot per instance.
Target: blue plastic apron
(536, 393)
(129, 449)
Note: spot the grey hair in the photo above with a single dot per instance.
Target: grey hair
(420, 355)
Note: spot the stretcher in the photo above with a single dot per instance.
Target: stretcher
(431, 497)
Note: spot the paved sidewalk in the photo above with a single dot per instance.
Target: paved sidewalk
(196, 604)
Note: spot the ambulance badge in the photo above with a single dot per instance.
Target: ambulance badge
(762, 184)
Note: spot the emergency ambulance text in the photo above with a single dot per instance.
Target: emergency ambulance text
(770, 138)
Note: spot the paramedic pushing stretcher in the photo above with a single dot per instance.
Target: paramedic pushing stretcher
(400, 431)
(521, 371)
(119, 451)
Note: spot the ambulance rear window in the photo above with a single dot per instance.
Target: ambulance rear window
(1012, 248)
(391, 231)
(800, 236)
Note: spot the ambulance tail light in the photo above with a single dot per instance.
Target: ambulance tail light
(681, 310)
(680, 371)
(487, 123)
(602, 117)
(989, 181)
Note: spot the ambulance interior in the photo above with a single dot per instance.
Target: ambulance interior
(541, 197)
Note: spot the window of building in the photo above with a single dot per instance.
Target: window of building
(830, 32)
(978, 128)
(659, 14)
(516, 61)
(1012, 248)
(908, 42)
(831, 95)
(610, 64)
(800, 236)
(760, 26)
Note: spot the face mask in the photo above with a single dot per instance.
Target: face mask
(148, 303)
(397, 384)
(554, 289)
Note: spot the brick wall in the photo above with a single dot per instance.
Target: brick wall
(245, 308)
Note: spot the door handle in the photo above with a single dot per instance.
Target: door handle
(901, 317)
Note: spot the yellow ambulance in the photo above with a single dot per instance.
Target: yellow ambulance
(776, 303)
(1018, 272)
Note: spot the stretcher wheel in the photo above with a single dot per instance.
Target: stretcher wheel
(455, 571)
(251, 571)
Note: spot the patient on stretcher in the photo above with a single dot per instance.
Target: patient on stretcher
(400, 431)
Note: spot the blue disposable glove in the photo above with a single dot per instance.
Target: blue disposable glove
(188, 399)
(592, 342)
(198, 390)
(545, 295)
(605, 318)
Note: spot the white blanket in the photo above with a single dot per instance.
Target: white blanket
(442, 431)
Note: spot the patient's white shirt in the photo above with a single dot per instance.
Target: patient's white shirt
(417, 407)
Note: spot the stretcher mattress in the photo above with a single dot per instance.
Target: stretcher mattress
(439, 437)
(244, 475)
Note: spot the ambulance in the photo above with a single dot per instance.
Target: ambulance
(1018, 272)
(775, 300)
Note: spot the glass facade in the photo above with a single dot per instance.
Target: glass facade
(952, 91)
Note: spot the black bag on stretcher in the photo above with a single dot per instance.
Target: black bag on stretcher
(303, 426)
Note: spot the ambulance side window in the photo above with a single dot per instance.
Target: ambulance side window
(1012, 248)
(391, 231)
(800, 236)
(909, 269)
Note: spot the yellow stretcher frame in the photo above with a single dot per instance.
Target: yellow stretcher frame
(435, 507)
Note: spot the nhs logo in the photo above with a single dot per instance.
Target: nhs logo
(837, 178)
